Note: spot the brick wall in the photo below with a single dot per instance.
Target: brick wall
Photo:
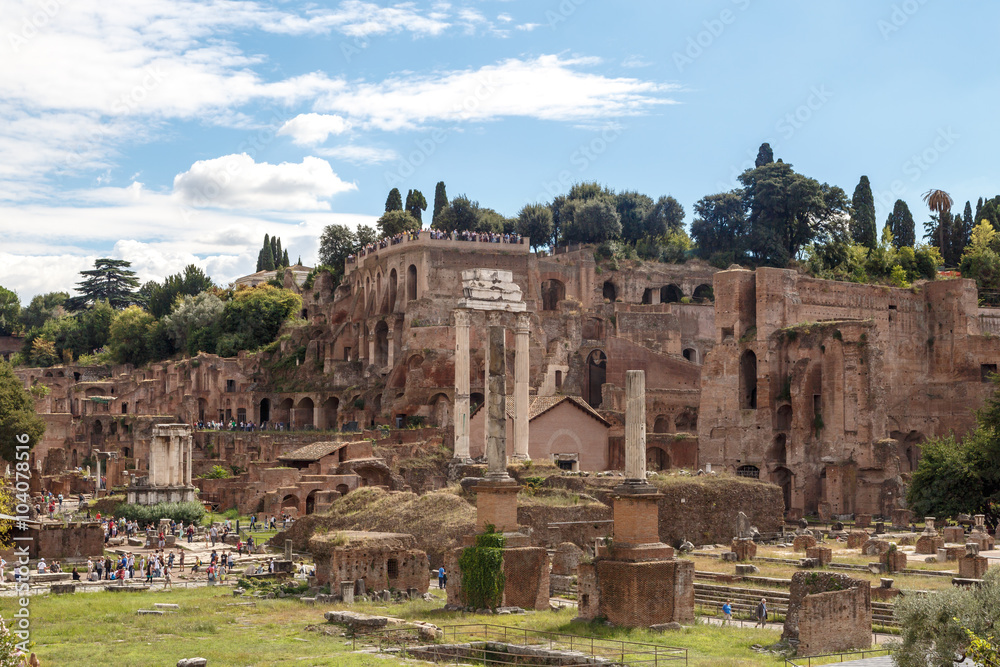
(372, 564)
(642, 594)
(828, 612)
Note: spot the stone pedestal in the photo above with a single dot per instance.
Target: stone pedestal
(823, 554)
(953, 534)
(894, 561)
(803, 542)
(972, 566)
(496, 504)
(744, 548)
(347, 592)
(856, 539)
(862, 520)
(929, 544)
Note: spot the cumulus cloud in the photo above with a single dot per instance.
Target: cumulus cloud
(548, 87)
(311, 129)
(236, 181)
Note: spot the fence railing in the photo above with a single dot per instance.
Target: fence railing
(498, 645)
(825, 658)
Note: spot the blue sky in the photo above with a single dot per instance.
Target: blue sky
(169, 131)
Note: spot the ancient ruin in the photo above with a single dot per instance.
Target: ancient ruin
(169, 478)
(828, 612)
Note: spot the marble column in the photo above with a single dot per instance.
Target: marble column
(189, 446)
(635, 427)
(496, 415)
(521, 372)
(461, 384)
(390, 340)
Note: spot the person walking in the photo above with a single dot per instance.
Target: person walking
(727, 613)
(761, 613)
(442, 577)
(166, 577)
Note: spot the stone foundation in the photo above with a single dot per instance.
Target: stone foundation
(856, 539)
(744, 548)
(894, 561)
(526, 574)
(972, 567)
(803, 542)
(828, 612)
(637, 594)
(875, 547)
(823, 554)
(929, 544)
(953, 534)
(151, 495)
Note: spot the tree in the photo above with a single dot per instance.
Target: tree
(462, 215)
(764, 155)
(265, 252)
(665, 217)
(42, 308)
(397, 222)
(394, 202)
(253, 317)
(940, 202)
(535, 222)
(128, 336)
(633, 212)
(863, 214)
(787, 211)
(110, 280)
(366, 234)
(335, 244)
(594, 221)
(191, 281)
(440, 202)
(10, 312)
(901, 225)
(416, 204)
(194, 324)
(284, 259)
(720, 226)
(279, 254)
(17, 415)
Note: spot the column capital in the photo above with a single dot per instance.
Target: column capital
(523, 323)
(461, 317)
(494, 318)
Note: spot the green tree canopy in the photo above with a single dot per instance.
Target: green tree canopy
(461, 215)
(189, 282)
(665, 217)
(397, 222)
(194, 323)
(17, 414)
(764, 155)
(394, 202)
(901, 225)
(366, 234)
(42, 308)
(128, 336)
(535, 222)
(863, 215)
(110, 280)
(253, 317)
(440, 202)
(593, 220)
(416, 204)
(634, 211)
(10, 312)
(335, 244)
(720, 226)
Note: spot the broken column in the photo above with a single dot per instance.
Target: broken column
(929, 541)
(638, 583)
(521, 371)
(461, 384)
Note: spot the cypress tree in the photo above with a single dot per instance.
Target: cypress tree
(275, 253)
(394, 202)
(967, 216)
(278, 262)
(440, 201)
(863, 214)
(268, 264)
(299, 263)
(979, 209)
(260, 260)
(901, 224)
(284, 258)
(764, 155)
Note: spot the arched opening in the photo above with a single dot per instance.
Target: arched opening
(670, 294)
(748, 381)
(75, 461)
(691, 354)
(283, 414)
(303, 417)
(553, 291)
(392, 291)
(125, 408)
(440, 409)
(784, 418)
(98, 428)
(475, 400)
(657, 459)
(703, 293)
(411, 282)
(47, 374)
(343, 489)
(751, 472)
(662, 424)
(597, 372)
(783, 478)
(381, 344)
(687, 421)
(311, 502)
(126, 452)
(202, 409)
(778, 454)
(265, 410)
(907, 449)
(647, 296)
(610, 292)
(330, 408)
(241, 415)
(290, 504)
(113, 428)
(414, 362)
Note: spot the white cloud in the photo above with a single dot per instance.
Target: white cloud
(311, 129)
(528, 27)
(236, 181)
(635, 61)
(549, 87)
(504, 18)
(359, 154)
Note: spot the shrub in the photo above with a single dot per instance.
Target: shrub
(190, 512)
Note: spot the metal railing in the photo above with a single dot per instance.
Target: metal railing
(498, 645)
(823, 659)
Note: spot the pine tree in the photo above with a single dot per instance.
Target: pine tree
(967, 218)
(268, 264)
(979, 209)
(260, 260)
(110, 280)
(394, 202)
(284, 258)
(299, 263)
(901, 225)
(863, 214)
(764, 155)
(440, 202)
(275, 255)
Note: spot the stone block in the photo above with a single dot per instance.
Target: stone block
(862, 520)
(874, 547)
(745, 569)
(929, 544)
(745, 549)
(808, 563)
(953, 534)
(972, 567)
(856, 538)
(728, 556)
(823, 554)
(192, 662)
(61, 589)
(803, 542)
(895, 561)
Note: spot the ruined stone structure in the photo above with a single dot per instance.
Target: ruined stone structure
(381, 560)
(169, 478)
(828, 612)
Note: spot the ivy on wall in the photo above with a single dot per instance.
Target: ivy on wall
(482, 570)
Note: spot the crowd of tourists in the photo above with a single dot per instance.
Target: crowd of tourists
(480, 237)
(234, 425)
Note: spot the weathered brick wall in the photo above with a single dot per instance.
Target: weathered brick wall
(705, 511)
(648, 593)
(77, 541)
(526, 571)
(839, 617)
(372, 565)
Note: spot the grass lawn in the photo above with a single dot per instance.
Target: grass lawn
(100, 629)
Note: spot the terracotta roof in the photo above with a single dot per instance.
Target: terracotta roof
(313, 452)
(539, 405)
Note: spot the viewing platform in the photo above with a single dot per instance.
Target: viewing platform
(425, 238)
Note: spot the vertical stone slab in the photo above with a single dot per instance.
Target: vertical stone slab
(635, 427)
(521, 371)
(288, 550)
(461, 384)
(496, 424)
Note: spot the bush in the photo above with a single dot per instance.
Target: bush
(190, 512)
(217, 472)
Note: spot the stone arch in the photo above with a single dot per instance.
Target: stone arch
(779, 453)
(748, 381)
(290, 503)
(687, 421)
(74, 460)
(609, 291)
(750, 471)
(414, 362)
(908, 449)
(381, 344)
(671, 294)
(597, 373)
(691, 354)
(661, 424)
(657, 458)
(392, 290)
(329, 413)
(440, 409)
(283, 413)
(783, 421)
(98, 427)
(264, 410)
(703, 293)
(343, 489)
(126, 452)
(311, 502)
(93, 391)
(411, 282)
(303, 416)
(553, 291)
(47, 374)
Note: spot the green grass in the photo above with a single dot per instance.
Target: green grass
(97, 629)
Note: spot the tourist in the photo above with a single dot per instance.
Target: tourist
(99, 568)
(42, 567)
(166, 577)
(190, 533)
(214, 534)
(197, 564)
(182, 561)
(442, 577)
(3, 564)
(761, 613)
(76, 575)
(727, 613)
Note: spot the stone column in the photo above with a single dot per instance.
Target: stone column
(461, 384)
(496, 415)
(390, 340)
(97, 486)
(371, 347)
(521, 371)
(190, 455)
(635, 427)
